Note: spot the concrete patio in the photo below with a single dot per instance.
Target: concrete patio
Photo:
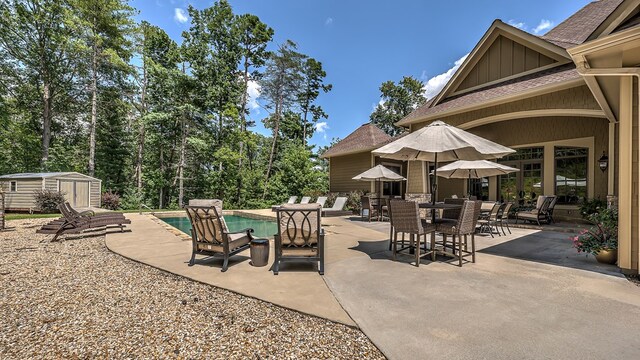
(529, 295)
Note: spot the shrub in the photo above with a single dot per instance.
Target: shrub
(603, 235)
(132, 200)
(47, 201)
(353, 200)
(110, 200)
(591, 206)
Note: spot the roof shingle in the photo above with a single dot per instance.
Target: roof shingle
(365, 138)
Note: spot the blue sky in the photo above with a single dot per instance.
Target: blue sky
(364, 43)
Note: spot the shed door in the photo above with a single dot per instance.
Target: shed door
(82, 194)
(76, 192)
(67, 188)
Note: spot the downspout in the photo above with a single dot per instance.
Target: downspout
(584, 70)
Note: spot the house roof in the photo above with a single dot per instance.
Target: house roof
(515, 86)
(365, 138)
(573, 31)
(42, 175)
(577, 28)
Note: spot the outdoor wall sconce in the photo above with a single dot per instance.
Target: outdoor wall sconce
(603, 162)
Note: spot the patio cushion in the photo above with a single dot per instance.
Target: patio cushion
(541, 199)
(528, 215)
(236, 240)
(304, 251)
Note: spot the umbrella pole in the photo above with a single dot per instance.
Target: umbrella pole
(469, 186)
(434, 188)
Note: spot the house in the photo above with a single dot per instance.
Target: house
(80, 190)
(352, 156)
(566, 101)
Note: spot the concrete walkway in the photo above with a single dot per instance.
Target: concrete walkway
(529, 295)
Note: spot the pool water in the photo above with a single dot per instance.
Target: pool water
(262, 228)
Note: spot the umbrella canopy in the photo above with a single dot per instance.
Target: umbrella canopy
(379, 173)
(463, 169)
(448, 142)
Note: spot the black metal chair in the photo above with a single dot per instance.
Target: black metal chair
(300, 235)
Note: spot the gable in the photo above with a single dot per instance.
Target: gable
(504, 58)
(503, 53)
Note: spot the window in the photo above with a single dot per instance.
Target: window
(13, 186)
(392, 188)
(479, 188)
(571, 174)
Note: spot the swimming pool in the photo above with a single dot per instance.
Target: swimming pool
(262, 228)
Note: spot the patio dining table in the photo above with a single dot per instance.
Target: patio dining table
(378, 203)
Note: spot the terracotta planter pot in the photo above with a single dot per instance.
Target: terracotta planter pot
(607, 256)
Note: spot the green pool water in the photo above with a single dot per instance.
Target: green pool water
(262, 228)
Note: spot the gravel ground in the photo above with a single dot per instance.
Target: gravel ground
(76, 299)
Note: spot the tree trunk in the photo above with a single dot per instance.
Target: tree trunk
(276, 129)
(141, 131)
(46, 123)
(94, 111)
(161, 194)
(243, 124)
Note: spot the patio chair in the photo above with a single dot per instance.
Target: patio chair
(337, 208)
(210, 235)
(460, 230)
(75, 224)
(552, 206)
(537, 215)
(492, 220)
(504, 220)
(370, 209)
(292, 200)
(406, 219)
(300, 235)
(305, 200)
(321, 200)
(68, 211)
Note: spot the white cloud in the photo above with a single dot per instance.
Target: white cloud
(328, 22)
(322, 126)
(433, 86)
(544, 25)
(180, 15)
(253, 90)
(518, 24)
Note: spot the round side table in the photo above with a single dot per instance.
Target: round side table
(259, 250)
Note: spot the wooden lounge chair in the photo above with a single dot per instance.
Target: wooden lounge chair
(337, 208)
(68, 211)
(292, 200)
(300, 235)
(76, 224)
(210, 235)
(538, 215)
(305, 200)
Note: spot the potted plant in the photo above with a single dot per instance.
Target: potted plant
(601, 240)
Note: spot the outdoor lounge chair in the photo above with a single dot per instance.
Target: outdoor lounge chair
(539, 214)
(68, 211)
(406, 219)
(76, 224)
(300, 235)
(321, 200)
(552, 206)
(305, 200)
(210, 235)
(292, 200)
(337, 208)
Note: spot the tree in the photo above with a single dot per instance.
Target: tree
(280, 88)
(108, 26)
(398, 101)
(313, 77)
(38, 40)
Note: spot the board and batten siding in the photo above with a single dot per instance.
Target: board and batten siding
(504, 58)
(96, 191)
(343, 168)
(23, 197)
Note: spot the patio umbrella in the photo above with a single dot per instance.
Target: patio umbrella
(440, 141)
(379, 173)
(464, 169)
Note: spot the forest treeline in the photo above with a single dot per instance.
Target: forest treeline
(84, 87)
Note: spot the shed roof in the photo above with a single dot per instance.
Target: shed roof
(365, 138)
(41, 175)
